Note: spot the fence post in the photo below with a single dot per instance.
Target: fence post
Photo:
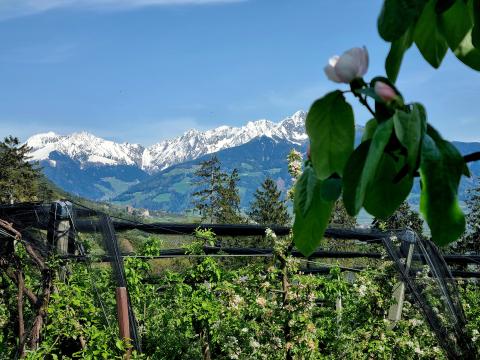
(395, 311)
(122, 312)
(60, 233)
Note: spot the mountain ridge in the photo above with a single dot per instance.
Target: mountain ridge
(90, 150)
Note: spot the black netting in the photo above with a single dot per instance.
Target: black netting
(433, 288)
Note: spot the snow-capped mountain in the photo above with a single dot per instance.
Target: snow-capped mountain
(85, 148)
(88, 149)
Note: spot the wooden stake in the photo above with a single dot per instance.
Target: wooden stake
(21, 324)
(122, 311)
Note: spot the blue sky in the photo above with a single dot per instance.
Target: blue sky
(146, 70)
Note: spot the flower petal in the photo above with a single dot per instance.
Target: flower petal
(347, 68)
(330, 72)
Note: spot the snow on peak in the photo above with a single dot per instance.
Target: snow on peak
(85, 148)
(90, 149)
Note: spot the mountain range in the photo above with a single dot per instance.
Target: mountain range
(161, 176)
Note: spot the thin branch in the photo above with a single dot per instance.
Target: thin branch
(472, 157)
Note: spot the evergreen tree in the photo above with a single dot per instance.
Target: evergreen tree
(340, 217)
(18, 177)
(267, 207)
(404, 217)
(210, 180)
(218, 200)
(470, 242)
(229, 210)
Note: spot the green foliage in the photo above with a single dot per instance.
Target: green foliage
(397, 144)
(469, 242)
(330, 128)
(340, 217)
(434, 26)
(403, 218)
(397, 16)
(268, 208)
(218, 200)
(372, 161)
(310, 223)
(441, 168)
(19, 179)
(428, 38)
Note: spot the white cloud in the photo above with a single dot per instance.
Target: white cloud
(15, 8)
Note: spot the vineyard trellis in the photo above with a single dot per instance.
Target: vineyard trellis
(30, 222)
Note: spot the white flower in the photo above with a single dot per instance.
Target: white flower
(254, 344)
(261, 301)
(362, 290)
(351, 65)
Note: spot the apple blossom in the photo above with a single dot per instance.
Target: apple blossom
(385, 91)
(351, 65)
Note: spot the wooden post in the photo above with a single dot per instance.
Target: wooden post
(21, 324)
(122, 311)
(395, 311)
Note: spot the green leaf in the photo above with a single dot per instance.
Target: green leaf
(443, 5)
(428, 38)
(304, 190)
(440, 170)
(369, 91)
(397, 16)
(385, 194)
(476, 27)
(331, 189)
(377, 146)
(467, 53)
(369, 129)
(308, 229)
(351, 179)
(455, 24)
(409, 130)
(331, 129)
(394, 58)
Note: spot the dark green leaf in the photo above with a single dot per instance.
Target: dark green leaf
(308, 229)
(331, 189)
(428, 38)
(331, 129)
(384, 194)
(408, 128)
(369, 129)
(379, 142)
(476, 27)
(451, 150)
(304, 190)
(394, 58)
(397, 16)
(440, 170)
(353, 173)
(455, 24)
(358, 183)
(443, 5)
(370, 92)
(468, 54)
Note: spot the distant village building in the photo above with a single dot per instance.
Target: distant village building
(145, 213)
(129, 209)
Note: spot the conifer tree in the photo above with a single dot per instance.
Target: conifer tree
(340, 217)
(218, 199)
(229, 210)
(210, 180)
(18, 177)
(470, 242)
(267, 207)
(404, 217)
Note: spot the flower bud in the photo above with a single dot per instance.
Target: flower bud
(351, 65)
(385, 91)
